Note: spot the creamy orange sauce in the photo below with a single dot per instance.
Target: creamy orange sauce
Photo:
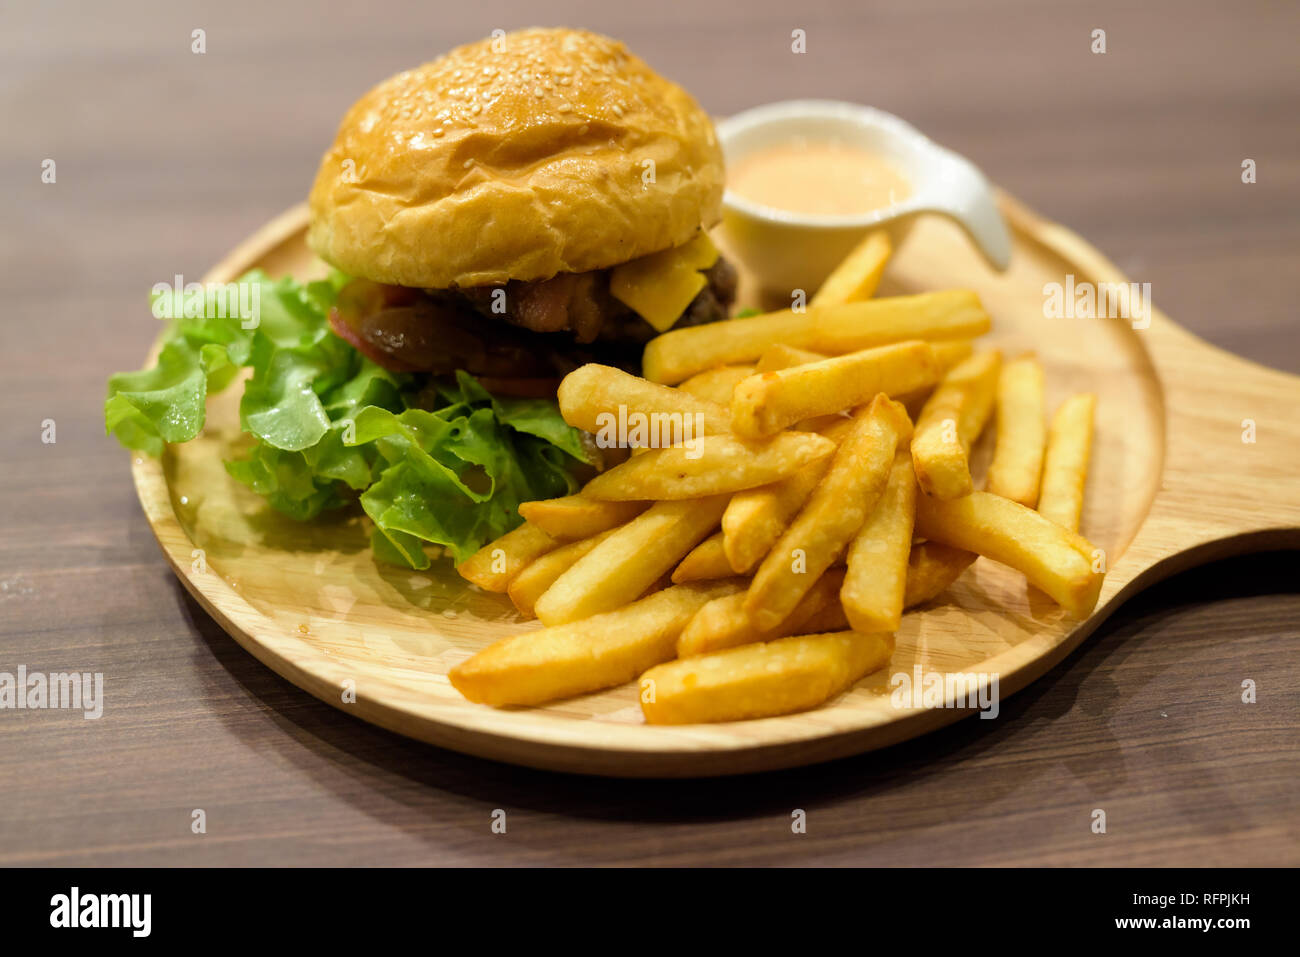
(818, 177)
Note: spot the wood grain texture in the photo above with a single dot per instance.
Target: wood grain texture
(180, 156)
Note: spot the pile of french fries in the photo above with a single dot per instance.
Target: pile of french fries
(763, 567)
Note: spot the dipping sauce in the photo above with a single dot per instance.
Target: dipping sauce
(818, 177)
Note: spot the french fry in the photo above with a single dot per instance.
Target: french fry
(761, 680)
(830, 618)
(715, 385)
(781, 356)
(575, 517)
(496, 564)
(835, 510)
(820, 423)
(949, 354)
(587, 655)
(858, 275)
(755, 519)
(1065, 467)
(680, 353)
(705, 562)
(539, 575)
(623, 566)
(950, 423)
(1054, 559)
(764, 404)
(1017, 464)
(722, 623)
(852, 327)
(711, 465)
(931, 569)
(836, 427)
(607, 401)
(877, 575)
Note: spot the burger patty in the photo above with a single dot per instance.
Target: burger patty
(581, 304)
(543, 330)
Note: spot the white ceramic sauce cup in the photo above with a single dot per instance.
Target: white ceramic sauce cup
(791, 250)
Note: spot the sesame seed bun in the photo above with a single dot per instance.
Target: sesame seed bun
(517, 157)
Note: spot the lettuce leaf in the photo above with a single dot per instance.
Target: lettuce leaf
(331, 428)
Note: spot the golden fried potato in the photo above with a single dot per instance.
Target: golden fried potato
(575, 517)
(540, 574)
(761, 680)
(1017, 465)
(496, 564)
(782, 356)
(705, 562)
(598, 652)
(1065, 466)
(755, 518)
(857, 277)
(1058, 561)
(716, 384)
(764, 404)
(837, 508)
(877, 568)
(723, 623)
(712, 465)
(851, 327)
(950, 422)
(931, 568)
(593, 397)
(624, 565)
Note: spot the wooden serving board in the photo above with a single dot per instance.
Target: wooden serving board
(1172, 484)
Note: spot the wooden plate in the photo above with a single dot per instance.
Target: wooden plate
(1172, 483)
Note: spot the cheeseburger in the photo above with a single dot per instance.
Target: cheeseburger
(520, 206)
(494, 219)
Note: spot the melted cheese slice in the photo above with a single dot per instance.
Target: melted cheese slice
(660, 286)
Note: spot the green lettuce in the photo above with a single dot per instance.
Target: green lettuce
(446, 466)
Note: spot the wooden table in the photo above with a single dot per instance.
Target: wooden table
(167, 158)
